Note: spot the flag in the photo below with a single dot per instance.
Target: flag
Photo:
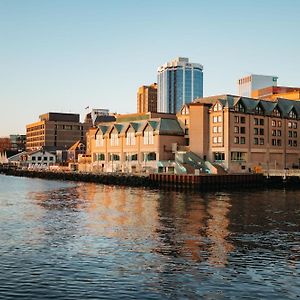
(87, 107)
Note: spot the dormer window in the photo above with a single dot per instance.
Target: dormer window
(259, 110)
(276, 112)
(292, 114)
(148, 136)
(240, 107)
(217, 107)
(114, 139)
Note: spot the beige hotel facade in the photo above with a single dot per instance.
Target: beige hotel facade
(243, 134)
(232, 133)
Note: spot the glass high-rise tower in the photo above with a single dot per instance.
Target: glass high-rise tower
(179, 82)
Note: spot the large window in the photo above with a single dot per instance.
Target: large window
(239, 107)
(219, 156)
(130, 138)
(99, 140)
(114, 139)
(148, 136)
(238, 156)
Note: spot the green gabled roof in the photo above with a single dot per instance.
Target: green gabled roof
(103, 128)
(119, 127)
(169, 127)
(154, 124)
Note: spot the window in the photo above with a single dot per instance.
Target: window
(255, 141)
(100, 156)
(273, 123)
(293, 114)
(130, 138)
(261, 122)
(273, 132)
(256, 121)
(114, 139)
(273, 142)
(114, 157)
(217, 107)
(236, 129)
(51, 158)
(290, 143)
(278, 132)
(239, 107)
(236, 140)
(45, 158)
(215, 129)
(261, 141)
(243, 130)
(186, 131)
(294, 125)
(33, 158)
(150, 156)
(276, 112)
(259, 110)
(256, 131)
(278, 142)
(219, 139)
(239, 156)
(148, 136)
(219, 129)
(243, 120)
(215, 119)
(99, 140)
(219, 156)
(290, 124)
(279, 123)
(290, 133)
(242, 140)
(261, 131)
(39, 158)
(219, 119)
(294, 134)
(215, 140)
(236, 119)
(295, 143)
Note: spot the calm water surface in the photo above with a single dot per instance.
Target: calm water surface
(64, 240)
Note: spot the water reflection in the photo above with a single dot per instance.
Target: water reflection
(73, 240)
(196, 229)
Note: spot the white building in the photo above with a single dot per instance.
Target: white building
(248, 84)
(40, 159)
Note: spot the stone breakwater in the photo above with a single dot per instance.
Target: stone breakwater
(170, 181)
(107, 178)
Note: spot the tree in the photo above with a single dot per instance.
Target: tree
(5, 144)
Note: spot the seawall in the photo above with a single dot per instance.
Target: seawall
(189, 182)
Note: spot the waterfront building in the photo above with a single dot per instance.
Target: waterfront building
(147, 98)
(96, 114)
(248, 84)
(55, 131)
(274, 92)
(179, 82)
(40, 159)
(136, 143)
(243, 134)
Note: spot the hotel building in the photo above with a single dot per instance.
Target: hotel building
(55, 131)
(179, 82)
(243, 134)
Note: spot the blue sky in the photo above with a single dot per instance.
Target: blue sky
(63, 55)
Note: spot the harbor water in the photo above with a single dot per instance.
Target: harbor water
(71, 240)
